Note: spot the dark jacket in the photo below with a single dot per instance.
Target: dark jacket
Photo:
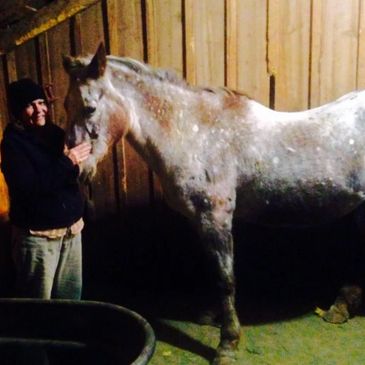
(42, 181)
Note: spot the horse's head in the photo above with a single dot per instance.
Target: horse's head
(94, 112)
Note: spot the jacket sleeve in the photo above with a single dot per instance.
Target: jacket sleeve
(21, 175)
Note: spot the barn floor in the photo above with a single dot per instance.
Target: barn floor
(282, 276)
(304, 340)
(301, 341)
(281, 329)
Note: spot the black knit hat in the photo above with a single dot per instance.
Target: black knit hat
(21, 93)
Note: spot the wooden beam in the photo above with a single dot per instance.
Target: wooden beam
(46, 18)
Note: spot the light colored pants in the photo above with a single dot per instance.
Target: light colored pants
(47, 268)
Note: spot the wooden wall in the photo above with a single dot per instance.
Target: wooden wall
(288, 54)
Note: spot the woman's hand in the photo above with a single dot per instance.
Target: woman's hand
(78, 153)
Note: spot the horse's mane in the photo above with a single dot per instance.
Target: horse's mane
(168, 75)
(144, 69)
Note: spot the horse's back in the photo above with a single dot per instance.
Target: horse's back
(303, 167)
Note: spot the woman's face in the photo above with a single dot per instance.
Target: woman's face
(35, 113)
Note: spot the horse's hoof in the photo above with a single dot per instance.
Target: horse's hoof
(226, 353)
(224, 358)
(336, 315)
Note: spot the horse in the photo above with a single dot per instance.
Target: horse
(219, 153)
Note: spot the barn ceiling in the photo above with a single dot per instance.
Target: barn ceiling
(14, 11)
(22, 20)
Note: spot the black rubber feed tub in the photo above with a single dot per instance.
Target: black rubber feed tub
(55, 332)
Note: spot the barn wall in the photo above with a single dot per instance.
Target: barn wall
(287, 54)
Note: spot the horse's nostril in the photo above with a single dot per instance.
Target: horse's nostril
(93, 135)
(89, 110)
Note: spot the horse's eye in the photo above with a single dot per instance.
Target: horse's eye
(88, 110)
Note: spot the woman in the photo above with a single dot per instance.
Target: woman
(46, 206)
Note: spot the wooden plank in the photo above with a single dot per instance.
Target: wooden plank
(334, 49)
(10, 64)
(125, 28)
(360, 74)
(164, 46)
(164, 34)
(246, 46)
(25, 59)
(58, 44)
(45, 19)
(4, 116)
(103, 193)
(289, 52)
(204, 37)
(90, 40)
(45, 66)
(75, 25)
(4, 198)
(126, 39)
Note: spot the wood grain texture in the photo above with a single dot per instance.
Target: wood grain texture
(334, 49)
(45, 19)
(360, 72)
(126, 39)
(44, 66)
(247, 48)
(10, 66)
(103, 193)
(312, 51)
(164, 46)
(164, 34)
(289, 52)
(204, 35)
(58, 44)
(25, 59)
(4, 117)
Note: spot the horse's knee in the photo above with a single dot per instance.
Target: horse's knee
(231, 334)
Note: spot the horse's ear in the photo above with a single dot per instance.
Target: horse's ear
(97, 65)
(68, 63)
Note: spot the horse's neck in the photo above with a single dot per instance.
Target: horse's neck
(155, 113)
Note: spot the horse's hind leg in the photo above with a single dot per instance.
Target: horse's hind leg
(346, 305)
(218, 243)
(349, 298)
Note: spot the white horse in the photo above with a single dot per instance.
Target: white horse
(219, 153)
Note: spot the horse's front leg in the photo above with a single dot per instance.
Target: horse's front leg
(218, 243)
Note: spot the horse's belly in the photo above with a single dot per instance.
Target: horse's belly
(296, 207)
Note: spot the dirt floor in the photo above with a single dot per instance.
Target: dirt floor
(277, 329)
(304, 340)
(282, 276)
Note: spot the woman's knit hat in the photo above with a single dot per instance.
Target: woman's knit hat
(21, 93)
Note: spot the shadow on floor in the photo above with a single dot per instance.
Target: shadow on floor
(153, 264)
(158, 270)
